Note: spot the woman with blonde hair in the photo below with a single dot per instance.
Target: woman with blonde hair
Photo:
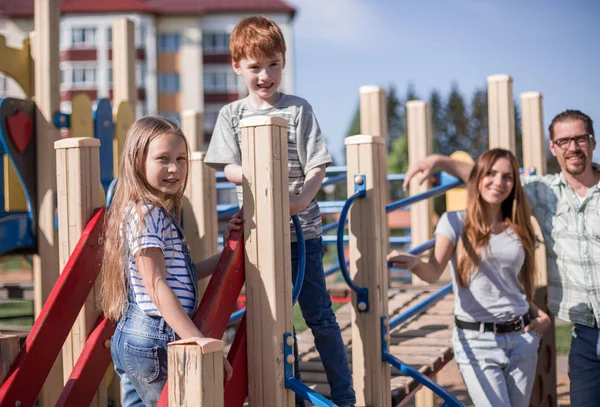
(490, 247)
(149, 283)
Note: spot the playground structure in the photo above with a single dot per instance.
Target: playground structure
(81, 179)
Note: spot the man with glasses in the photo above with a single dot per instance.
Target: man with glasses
(567, 208)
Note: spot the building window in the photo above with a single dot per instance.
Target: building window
(169, 42)
(84, 76)
(211, 113)
(168, 82)
(220, 82)
(173, 116)
(140, 75)
(140, 36)
(84, 37)
(215, 43)
(109, 36)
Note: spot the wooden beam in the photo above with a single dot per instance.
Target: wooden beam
(9, 348)
(368, 247)
(196, 373)
(268, 257)
(200, 213)
(47, 96)
(79, 194)
(123, 52)
(534, 141)
(192, 124)
(419, 147)
(373, 113)
(501, 112)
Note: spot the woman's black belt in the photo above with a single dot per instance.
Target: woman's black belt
(497, 327)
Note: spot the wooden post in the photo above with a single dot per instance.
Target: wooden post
(47, 97)
(268, 257)
(373, 113)
(196, 373)
(79, 194)
(368, 247)
(9, 349)
(501, 112)
(123, 51)
(532, 123)
(124, 85)
(200, 213)
(192, 124)
(421, 213)
(534, 157)
(419, 147)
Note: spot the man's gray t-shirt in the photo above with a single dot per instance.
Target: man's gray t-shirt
(306, 148)
(494, 293)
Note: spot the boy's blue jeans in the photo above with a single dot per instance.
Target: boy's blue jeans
(315, 304)
(584, 366)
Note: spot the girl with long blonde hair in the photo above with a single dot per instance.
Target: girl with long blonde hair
(490, 247)
(149, 283)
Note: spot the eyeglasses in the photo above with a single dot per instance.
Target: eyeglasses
(582, 141)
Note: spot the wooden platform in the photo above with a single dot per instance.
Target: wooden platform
(424, 342)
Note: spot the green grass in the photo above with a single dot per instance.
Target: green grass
(18, 307)
(563, 338)
(299, 322)
(14, 262)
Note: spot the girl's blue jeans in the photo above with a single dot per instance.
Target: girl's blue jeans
(315, 305)
(139, 353)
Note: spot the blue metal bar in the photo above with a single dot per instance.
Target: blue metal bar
(236, 316)
(225, 185)
(362, 294)
(330, 226)
(301, 259)
(333, 179)
(439, 190)
(226, 211)
(110, 192)
(395, 177)
(330, 239)
(307, 393)
(420, 307)
(294, 384)
(449, 399)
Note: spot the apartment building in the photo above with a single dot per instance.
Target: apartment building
(182, 50)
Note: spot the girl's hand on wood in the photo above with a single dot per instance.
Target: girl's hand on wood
(227, 369)
(235, 223)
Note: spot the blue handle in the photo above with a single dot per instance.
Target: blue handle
(110, 192)
(301, 259)
(362, 294)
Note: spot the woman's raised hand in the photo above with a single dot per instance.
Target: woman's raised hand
(402, 260)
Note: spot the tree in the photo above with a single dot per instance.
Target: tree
(478, 123)
(457, 124)
(437, 119)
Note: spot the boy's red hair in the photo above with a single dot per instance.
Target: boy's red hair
(254, 37)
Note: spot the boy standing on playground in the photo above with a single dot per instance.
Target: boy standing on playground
(258, 55)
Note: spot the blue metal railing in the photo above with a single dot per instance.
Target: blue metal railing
(388, 325)
(297, 287)
(301, 259)
(448, 182)
(362, 294)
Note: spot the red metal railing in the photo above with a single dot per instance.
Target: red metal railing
(220, 299)
(44, 342)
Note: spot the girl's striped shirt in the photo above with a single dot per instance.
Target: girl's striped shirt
(158, 231)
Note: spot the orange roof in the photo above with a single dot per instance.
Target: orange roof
(24, 8)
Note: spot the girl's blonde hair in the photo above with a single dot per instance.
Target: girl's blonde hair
(132, 191)
(515, 214)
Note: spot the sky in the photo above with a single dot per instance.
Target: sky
(549, 46)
